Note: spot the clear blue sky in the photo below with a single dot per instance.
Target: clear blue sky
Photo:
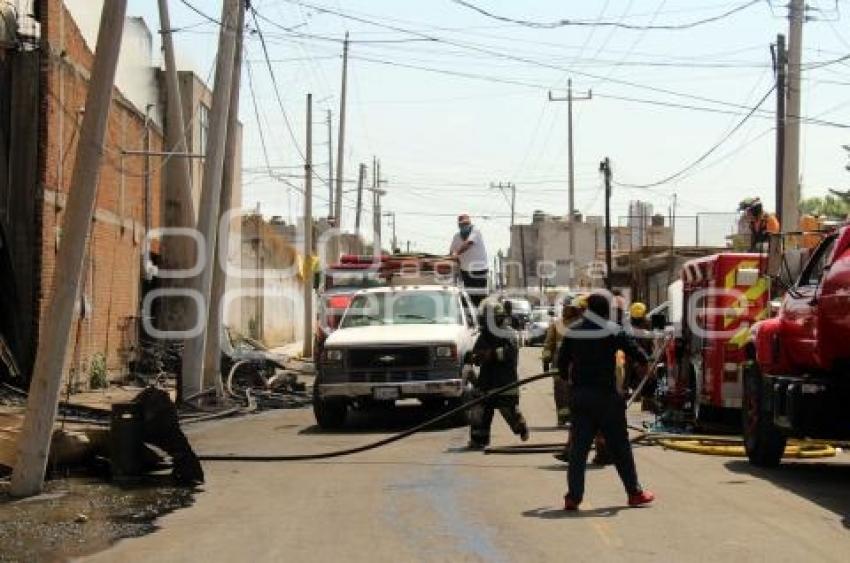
(443, 136)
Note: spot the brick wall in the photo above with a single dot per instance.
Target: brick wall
(112, 269)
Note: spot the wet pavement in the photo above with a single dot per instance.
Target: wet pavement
(79, 516)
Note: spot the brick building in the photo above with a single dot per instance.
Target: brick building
(45, 63)
(128, 199)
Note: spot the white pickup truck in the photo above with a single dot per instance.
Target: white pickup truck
(397, 343)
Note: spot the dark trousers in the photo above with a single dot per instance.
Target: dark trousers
(481, 419)
(604, 412)
(475, 284)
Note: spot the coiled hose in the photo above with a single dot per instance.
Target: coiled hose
(389, 440)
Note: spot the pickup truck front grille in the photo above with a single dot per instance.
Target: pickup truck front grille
(401, 358)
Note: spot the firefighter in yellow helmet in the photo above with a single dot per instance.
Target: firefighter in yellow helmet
(639, 328)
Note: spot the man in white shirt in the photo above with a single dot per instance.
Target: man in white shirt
(468, 248)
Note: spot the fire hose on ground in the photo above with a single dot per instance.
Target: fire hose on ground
(711, 445)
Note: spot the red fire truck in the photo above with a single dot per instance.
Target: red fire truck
(722, 296)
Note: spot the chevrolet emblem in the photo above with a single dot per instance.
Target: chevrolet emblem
(388, 359)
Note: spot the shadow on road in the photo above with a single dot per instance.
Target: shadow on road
(825, 484)
(383, 421)
(550, 513)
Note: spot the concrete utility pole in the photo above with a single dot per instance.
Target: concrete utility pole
(391, 214)
(507, 186)
(34, 441)
(340, 155)
(780, 63)
(208, 215)
(605, 168)
(361, 179)
(307, 350)
(215, 315)
(331, 206)
(570, 98)
(378, 210)
(184, 212)
(791, 176)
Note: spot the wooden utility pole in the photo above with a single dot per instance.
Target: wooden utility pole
(781, 64)
(331, 207)
(340, 155)
(791, 176)
(208, 214)
(215, 314)
(605, 168)
(34, 441)
(570, 98)
(361, 178)
(307, 273)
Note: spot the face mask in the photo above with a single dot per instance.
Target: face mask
(465, 230)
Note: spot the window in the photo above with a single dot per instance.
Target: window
(203, 128)
(813, 272)
(405, 307)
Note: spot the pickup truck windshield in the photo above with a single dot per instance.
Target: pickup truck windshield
(406, 307)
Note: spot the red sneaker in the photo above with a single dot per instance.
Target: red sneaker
(570, 504)
(641, 498)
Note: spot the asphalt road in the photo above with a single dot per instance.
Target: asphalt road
(425, 499)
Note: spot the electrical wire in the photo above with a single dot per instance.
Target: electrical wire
(706, 154)
(617, 24)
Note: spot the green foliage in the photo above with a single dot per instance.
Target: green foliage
(829, 206)
(97, 372)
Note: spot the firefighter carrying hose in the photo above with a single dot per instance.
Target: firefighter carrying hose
(497, 353)
(760, 223)
(588, 356)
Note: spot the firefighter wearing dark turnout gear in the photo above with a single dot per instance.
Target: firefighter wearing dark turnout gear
(587, 357)
(497, 353)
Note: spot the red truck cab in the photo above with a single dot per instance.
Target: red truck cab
(797, 383)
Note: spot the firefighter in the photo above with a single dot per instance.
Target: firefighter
(570, 312)
(588, 355)
(640, 329)
(497, 352)
(761, 223)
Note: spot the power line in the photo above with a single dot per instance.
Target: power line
(706, 154)
(597, 23)
(509, 56)
(198, 11)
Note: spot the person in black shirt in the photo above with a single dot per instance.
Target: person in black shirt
(587, 358)
(497, 352)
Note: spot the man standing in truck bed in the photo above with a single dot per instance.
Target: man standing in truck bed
(468, 248)
(587, 356)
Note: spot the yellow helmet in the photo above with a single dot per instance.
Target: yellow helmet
(580, 301)
(637, 310)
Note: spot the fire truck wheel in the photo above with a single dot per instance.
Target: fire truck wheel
(763, 442)
(330, 415)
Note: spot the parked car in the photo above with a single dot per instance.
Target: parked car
(520, 311)
(397, 343)
(539, 322)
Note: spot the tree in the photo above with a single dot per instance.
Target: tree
(831, 206)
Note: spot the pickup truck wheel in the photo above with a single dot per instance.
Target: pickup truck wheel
(330, 414)
(763, 442)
